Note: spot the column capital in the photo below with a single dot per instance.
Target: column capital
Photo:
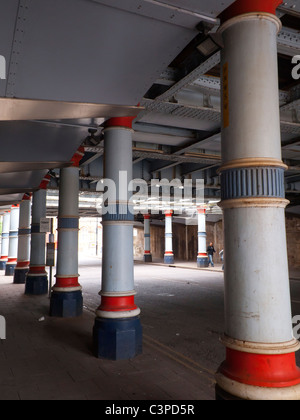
(77, 157)
(168, 213)
(121, 122)
(26, 197)
(201, 209)
(241, 7)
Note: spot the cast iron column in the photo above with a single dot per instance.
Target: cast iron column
(66, 298)
(260, 347)
(169, 255)
(147, 239)
(117, 329)
(23, 261)
(37, 278)
(5, 240)
(13, 241)
(202, 258)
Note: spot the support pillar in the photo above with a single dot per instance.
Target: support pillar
(260, 348)
(66, 297)
(13, 241)
(5, 240)
(169, 255)
(37, 278)
(23, 261)
(117, 330)
(147, 240)
(202, 258)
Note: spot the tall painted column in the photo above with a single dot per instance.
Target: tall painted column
(260, 348)
(66, 298)
(23, 260)
(13, 240)
(147, 239)
(117, 330)
(202, 258)
(37, 278)
(169, 255)
(5, 240)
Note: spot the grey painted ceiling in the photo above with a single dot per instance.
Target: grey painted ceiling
(71, 64)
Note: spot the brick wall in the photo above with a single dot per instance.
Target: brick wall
(185, 243)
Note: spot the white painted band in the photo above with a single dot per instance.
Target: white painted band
(257, 393)
(66, 289)
(261, 348)
(118, 294)
(118, 314)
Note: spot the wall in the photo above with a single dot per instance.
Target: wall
(185, 244)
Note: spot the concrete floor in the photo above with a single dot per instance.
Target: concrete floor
(47, 358)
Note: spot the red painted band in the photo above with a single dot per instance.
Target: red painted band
(15, 206)
(125, 122)
(45, 182)
(146, 216)
(67, 282)
(271, 371)
(77, 157)
(37, 270)
(26, 197)
(241, 7)
(169, 253)
(23, 264)
(201, 211)
(12, 260)
(117, 304)
(4, 257)
(168, 214)
(202, 254)
(147, 252)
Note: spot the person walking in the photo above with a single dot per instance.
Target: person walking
(210, 252)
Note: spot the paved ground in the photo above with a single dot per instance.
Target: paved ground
(47, 358)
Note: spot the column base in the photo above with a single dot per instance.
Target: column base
(2, 265)
(230, 390)
(117, 339)
(20, 275)
(10, 269)
(36, 284)
(202, 262)
(147, 258)
(66, 304)
(169, 259)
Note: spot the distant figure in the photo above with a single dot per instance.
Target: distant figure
(210, 252)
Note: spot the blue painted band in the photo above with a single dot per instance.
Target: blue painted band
(202, 235)
(168, 235)
(13, 234)
(68, 223)
(35, 228)
(117, 339)
(147, 235)
(66, 304)
(252, 182)
(5, 235)
(24, 231)
(118, 213)
(37, 285)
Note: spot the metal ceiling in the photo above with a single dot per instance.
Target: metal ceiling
(71, 64)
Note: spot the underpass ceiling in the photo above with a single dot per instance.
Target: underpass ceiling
(72, 64)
